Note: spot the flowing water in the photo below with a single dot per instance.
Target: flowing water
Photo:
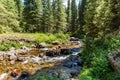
(30, 61)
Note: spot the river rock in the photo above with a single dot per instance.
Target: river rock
(54, 52)
(23, 76)
(36, 60)
(13, 57)
(21, 58)
(12, 62)
(72, 62)
(15, 72)
(65, 51)
(114, 59)
(56, 43)
(1, 56)
(74, 39)
(2, 77)
(25, 48)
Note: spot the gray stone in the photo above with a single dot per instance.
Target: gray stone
(13, 57)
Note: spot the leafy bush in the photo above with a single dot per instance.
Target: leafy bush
(6, 46)
(96, 64)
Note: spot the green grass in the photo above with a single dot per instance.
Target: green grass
(34, 38)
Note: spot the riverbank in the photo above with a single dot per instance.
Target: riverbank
(17, 61)
(17, 40)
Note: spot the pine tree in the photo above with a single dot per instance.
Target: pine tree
(48, 17)
(32, 15)
(69, 14)
(61, 17)
(81, 8)
(9, 16)
(90, 12)
(19, 5)
(73, 15)
(98, 18)
(115, 9)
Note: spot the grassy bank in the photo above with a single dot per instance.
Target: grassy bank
(14, 39)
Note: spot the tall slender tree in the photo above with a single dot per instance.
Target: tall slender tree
(32, 15)
(69, 14)
(73, 15)
(61, 17)
(48, 17)
(81, 22)
(19, 5)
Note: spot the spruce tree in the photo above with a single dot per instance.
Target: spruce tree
(115, 9)
(98, 18)
(69, 14)
(9, 16)
(32, 15)
(19, 5)
(81, 22)
(90, 12)
(48, 17)
(60, 17)
(73, 15)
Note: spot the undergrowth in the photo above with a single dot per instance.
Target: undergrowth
(96, 64)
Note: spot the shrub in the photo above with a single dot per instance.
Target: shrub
(96, 61)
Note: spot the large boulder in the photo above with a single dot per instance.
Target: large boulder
(73, 61)
(114, 59)
(54, 52)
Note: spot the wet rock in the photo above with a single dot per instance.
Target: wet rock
(56, 43)
(114, 59)
(72, 61)
(24, 76)
(25, 62)
(33, 46)
(1, 56)
(21, 58)
(15, 73)
(64, 75)
(36, 60)
(43, 49)
(54, 52)
(41, 54)
(65, 51)
(41, 45)
(13, 57)
(3, 76)
(12, 62)
(74, 39)
(25, 48)
(64, 72)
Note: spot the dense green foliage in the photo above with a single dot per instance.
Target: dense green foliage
(9, 16)
(73, 16)
(99, 27)
(93, 20)
(96, 64)
(32, 15)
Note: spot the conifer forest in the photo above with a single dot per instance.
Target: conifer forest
(59, 39)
